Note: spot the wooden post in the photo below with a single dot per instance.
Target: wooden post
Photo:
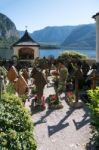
(78, 75)
(76, 88)
(94, 79)
(1, 85)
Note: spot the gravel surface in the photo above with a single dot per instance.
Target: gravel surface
(62, 129)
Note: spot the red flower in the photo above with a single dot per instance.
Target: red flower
(53, 97)
(35, 98)
(70, 94)
(55, 73)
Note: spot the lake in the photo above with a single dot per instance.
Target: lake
(57, 52)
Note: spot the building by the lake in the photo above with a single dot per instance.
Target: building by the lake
(26, 48)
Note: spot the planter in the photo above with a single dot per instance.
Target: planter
(54, 102)
(38, 104)
(60, 106)
(71, 100)
(78, 105)
(70, 97)
(39, 107)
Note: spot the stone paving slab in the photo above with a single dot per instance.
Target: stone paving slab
(63, 129)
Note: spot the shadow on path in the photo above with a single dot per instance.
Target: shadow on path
(42, 119)
(84, 121)
(56, 128)
(61, 125)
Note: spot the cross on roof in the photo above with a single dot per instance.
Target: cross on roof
(26, 27)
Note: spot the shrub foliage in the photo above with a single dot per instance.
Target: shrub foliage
(16, 128)
(94, 107)
(72, 54)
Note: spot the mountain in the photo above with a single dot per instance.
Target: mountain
(83, 36)
(8, 32)
(69, 37)
(74, 37)
(20, 33)
(52, 35)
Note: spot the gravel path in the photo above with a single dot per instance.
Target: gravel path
(63, 129)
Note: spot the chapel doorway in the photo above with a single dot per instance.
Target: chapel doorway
(26, 53)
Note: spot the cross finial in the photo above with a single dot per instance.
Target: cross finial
(26, 27)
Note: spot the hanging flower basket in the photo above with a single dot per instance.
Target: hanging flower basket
(54, 102)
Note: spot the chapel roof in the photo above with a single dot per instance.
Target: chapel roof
(26, 40)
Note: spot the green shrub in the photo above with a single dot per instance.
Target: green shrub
(94, 108)
(72, 54)
(10, 88)
(16, 127)
(3, 71)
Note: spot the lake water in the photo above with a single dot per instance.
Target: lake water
(57, 52)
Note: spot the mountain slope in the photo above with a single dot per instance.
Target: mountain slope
(8, 32)
(83, 36)
(73, 37)
(52, 35)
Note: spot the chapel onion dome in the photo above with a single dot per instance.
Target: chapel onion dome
(26, 40)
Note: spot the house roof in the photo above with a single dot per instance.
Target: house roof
(26, 40)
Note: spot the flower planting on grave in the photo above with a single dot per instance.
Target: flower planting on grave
(70, 97)
(54, 102)
(38, 104)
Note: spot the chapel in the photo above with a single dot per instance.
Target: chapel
(26, 48)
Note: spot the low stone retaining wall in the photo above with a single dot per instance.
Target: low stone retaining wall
(91, 61)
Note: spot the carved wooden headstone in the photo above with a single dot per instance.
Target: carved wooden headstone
(40, 81)
(12, 74)
(78, 78)
(25, 74)
(21, 85)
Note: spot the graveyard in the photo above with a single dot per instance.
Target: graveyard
(43, 109)
(48, 103)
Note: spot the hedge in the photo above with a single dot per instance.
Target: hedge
(16, 127)
(94, 109)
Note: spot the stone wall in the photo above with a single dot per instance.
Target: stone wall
(6, 53)
(90, 61)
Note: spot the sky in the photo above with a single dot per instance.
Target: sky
(37, 14)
